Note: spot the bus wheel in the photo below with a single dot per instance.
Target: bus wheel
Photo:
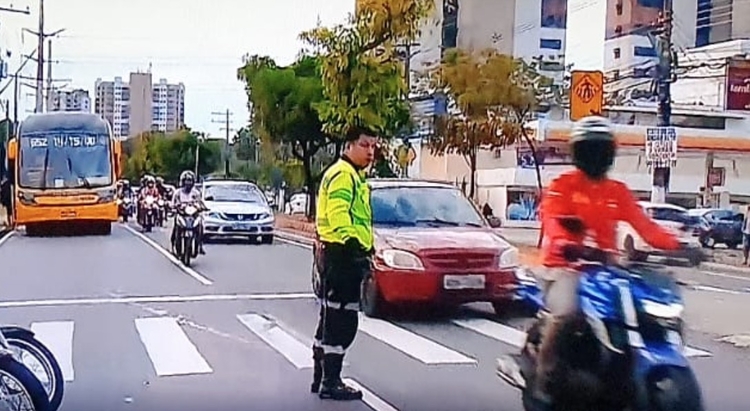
(105, 228)
(33, 230)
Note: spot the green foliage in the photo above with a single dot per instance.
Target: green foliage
(493, 93)
(363, 77)
(169, 155)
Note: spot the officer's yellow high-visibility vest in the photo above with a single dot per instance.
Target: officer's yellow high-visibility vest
(343, 210)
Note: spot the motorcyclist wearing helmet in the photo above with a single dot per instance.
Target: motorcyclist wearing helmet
(161, 187)
(124, 189)
(187, 193)
(148, 189)
(580, 204)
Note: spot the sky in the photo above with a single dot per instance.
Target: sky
(198, 43)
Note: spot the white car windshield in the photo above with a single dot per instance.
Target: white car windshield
(233, 193)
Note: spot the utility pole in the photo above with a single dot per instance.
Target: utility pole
(42, 36)
(661, 173)
(226, 121)
(407, 56)
(50, 91)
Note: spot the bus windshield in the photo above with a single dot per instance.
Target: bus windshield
(64, 161)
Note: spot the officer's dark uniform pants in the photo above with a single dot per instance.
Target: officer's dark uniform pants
(342, 273)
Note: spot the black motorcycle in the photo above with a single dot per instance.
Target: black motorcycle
(148, 209)
(187, 224)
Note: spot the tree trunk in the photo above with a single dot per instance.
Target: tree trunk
(473, 171)
(538, 170)
(309, 185)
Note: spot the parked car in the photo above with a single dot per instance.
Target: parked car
(718, 226)
(433, 247)
(237, 209)
(674, 218)
(297, 204)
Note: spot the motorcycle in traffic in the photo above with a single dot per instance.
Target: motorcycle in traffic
(148, 213)
(624, 350)
(187, 223)
(19, 385)
(125, 208)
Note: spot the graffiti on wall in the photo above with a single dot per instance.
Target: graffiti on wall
(522, 205)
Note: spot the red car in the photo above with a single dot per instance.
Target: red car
(433, 247)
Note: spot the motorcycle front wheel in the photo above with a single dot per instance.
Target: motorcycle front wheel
(19, 388)
(674, 389)
(186, 252)
(28, 348)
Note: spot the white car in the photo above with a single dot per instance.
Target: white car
(237, 209)
(674, 218)
(297, 204)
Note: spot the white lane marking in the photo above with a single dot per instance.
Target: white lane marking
(373, 401)
(57, 336)
(496, 331)
(284, 343)
(721, 275)
(7, 237)
(187, 270)
(155, 299)
(517, 338)
(411, 344)
(169, 348)
(716, 290)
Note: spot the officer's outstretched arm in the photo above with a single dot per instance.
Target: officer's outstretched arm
(338, 210)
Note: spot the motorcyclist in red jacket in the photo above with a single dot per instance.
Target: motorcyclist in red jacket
(582, 204)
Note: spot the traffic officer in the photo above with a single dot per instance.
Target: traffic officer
(344, 229)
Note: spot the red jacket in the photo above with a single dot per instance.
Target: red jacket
(600, 205)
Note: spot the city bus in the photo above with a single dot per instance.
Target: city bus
(65, 167)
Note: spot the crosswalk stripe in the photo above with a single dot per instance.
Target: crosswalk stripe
(517, 338)
(170, 350)
(57, 336)
(284, 343)
(494, 330)
(368, 397)
(412, 344)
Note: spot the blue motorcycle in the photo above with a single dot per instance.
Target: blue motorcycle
(624, 349)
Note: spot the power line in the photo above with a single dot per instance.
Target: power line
(226, 121)
(40, 58)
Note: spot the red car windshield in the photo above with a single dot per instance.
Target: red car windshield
(428, 206)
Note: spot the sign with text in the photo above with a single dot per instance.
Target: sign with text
(661, 147)
(738, 85)
(586, 94)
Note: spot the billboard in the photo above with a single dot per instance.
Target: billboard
(738, 85)
(555, 14)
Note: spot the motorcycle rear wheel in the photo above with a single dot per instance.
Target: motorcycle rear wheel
(674, 389)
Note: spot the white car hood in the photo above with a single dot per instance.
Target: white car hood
(226, 207)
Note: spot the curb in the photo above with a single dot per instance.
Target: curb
(726, 267)
(296, 239)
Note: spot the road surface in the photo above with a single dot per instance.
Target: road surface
(134, 330)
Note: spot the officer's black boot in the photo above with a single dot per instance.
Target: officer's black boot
(333, 388)
(317, 369)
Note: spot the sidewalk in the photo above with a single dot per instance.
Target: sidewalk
(297, 228)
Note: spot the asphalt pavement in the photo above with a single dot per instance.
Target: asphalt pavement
(135, 330)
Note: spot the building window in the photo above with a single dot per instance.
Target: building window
(616, 51)
(550, 44)
(654, 4)
(639, 51)
(641, 73)
(618, 8)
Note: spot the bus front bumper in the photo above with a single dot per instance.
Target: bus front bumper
(26, 214)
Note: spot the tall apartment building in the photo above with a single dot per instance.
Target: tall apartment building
(73, 100)
(721, 20)
(530, 29)
(139, 106)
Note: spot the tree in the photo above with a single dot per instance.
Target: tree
(364, 83)
(282, 101)
(169, 155)
(483, 89)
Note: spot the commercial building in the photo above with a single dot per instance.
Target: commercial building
(70, 100)
(139, 105)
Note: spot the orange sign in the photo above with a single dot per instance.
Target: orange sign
(586, 94)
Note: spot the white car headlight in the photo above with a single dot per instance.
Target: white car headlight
(401, 260)
(663, 310)
(509, 258)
